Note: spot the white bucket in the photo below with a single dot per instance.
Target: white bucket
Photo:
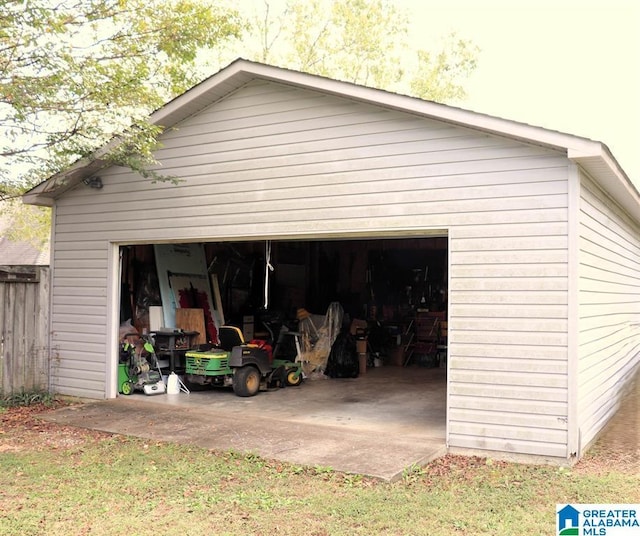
(173, 384)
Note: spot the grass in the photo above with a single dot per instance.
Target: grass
(57, 480)
(26, 398)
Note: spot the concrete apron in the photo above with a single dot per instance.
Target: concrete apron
(377, 425)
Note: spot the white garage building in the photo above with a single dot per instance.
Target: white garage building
(541, 231)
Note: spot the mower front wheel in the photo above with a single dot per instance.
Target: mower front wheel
(127, 388)
(293, 377)
(246, 381)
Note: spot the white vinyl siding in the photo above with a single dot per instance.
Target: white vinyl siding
(275, 161)
(79, 316)
(609, 296)
(508, 332)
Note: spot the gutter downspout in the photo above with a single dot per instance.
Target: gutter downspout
(573, 311)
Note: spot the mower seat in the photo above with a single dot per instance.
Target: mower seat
(229, 337)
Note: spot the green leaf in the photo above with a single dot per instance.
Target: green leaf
(78, 74)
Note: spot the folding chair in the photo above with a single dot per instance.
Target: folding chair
(426, 336)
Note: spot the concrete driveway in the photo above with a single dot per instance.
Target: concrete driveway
(378, 424)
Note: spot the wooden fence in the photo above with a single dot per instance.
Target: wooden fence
(24, 321)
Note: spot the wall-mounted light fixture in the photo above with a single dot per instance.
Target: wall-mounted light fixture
(93, 182)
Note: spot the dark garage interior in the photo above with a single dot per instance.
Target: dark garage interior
(382, 288)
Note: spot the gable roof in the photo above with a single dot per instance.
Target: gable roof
(593, 156)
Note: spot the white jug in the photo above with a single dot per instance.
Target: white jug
(173, 384)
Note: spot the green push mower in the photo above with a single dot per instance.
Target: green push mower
(247, 367)
(138, 369)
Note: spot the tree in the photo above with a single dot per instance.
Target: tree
(438, 75)
(364, 42)
(358, 41)
(76, 73)
(29, 224)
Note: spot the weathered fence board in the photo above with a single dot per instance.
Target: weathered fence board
(24, 320)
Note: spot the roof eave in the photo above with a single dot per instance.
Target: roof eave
(45, 193)
(602, 167)
(593, 156)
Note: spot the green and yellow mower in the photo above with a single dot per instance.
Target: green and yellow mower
(247, 367)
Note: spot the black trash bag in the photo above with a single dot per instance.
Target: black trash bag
(343, 359)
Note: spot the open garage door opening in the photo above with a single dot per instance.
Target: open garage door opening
(383, 301)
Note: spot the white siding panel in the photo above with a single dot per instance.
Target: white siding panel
(518, 365)
(510, 324)
(508, 413)
(609, 298)
(78, 301)
(508, 431)
(434, 191)
(78, 312)
(508, 309)
(478, 438)
(403, 202)
(432, 175)
(611, 275)
(523, 284)
(533, 394)
(273, 161)
(502, 310)
(530, 228)
(85, 382)
(508, 378)
(476, 351)
(523, 300)
(82, 307)
(590, 370)
(274, 143)
(606, 323)
(516, 408)
(542, 422)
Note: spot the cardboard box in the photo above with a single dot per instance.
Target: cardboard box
(397, 356)
(358, 326)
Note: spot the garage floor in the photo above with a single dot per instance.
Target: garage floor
(377, 425)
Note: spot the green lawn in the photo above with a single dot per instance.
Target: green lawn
(58, 480)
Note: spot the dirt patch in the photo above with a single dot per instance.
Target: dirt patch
(21, 428)
(618, 446)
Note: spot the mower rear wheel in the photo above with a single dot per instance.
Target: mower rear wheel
(246, 381)
(127, 388)
(293, 378)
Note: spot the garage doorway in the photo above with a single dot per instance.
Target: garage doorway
(383, 280)
(380, 284)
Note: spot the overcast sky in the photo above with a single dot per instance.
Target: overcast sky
(567, 65)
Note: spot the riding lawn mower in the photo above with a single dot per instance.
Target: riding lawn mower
(247, 367)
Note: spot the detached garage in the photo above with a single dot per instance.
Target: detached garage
(525, 241)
